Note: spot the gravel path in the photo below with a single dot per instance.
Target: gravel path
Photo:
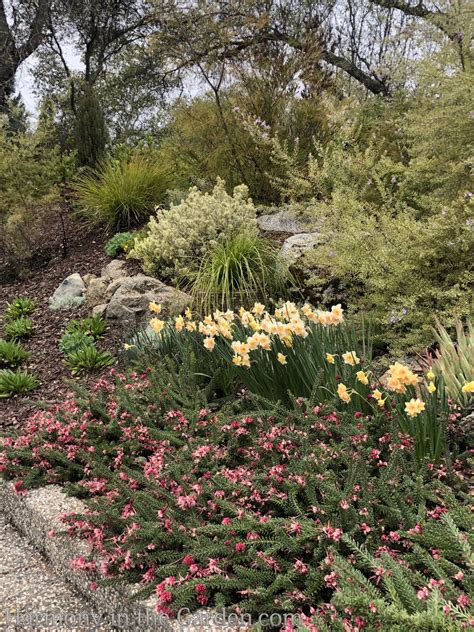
(29, 588)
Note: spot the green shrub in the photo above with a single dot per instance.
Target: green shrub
(21, 306)
(16, 382)
(119, 243)
(239, 271)
(33, 168)
(18, 328)
(88, 357)
(402, 270)
(72, 341)
(403, 597)
(12, 354)
(178, 239)
(455, 361)
(94, 326)
(119, 195)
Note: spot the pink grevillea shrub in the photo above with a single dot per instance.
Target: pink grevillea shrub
(312, 511)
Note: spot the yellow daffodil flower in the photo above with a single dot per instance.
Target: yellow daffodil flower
(343, 393)
(258, 309)
(377, 394)
(394, 384)
(468, 387)
(350, 358)
(179, 323)
(431, 387)
(403, 374)
(154, 307)
(330, 358)
(281, 358)
(362, 377)
(246, 360)
(209, 343)
(430, 375)
(157, 325)
(414, 407)
(252, 343)
(240, 348)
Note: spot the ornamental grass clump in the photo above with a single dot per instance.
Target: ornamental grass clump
(265, 510)
(242, 269)
(122, 194)
(178, 238)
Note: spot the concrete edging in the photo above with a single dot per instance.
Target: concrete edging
(37, 512)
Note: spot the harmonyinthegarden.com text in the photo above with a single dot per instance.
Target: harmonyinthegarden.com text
(185, 620)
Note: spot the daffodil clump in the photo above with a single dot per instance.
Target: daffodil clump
(280, 354)
(293, 352)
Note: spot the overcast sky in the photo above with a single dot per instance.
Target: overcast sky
(25, 80)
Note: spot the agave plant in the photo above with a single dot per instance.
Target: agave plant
(455, 361)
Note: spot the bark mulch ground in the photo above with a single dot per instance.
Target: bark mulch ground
(84, 254)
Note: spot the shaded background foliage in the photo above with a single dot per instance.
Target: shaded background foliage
(355, 114)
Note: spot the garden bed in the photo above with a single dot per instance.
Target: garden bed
(85, 254)
(342, 506)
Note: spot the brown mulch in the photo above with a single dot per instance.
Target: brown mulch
(84, 254)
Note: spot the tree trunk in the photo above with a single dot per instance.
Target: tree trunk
(11, 54)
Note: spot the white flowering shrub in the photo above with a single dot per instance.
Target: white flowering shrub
(178, 238)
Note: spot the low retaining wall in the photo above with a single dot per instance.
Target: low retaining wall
(36, 513)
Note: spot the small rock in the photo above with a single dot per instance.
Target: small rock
(99, 310)
(295, 246)
(284, 221)
(131, 297)
(114, 270)
(87, 278)
(73, 286)
(97, 291)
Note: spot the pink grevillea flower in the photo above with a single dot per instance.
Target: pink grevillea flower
(300, 567)
(18, 487)
(423, 593)
(333, 533)
(331, 579)
(186, 502)
(80, 563)
(463, 601)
